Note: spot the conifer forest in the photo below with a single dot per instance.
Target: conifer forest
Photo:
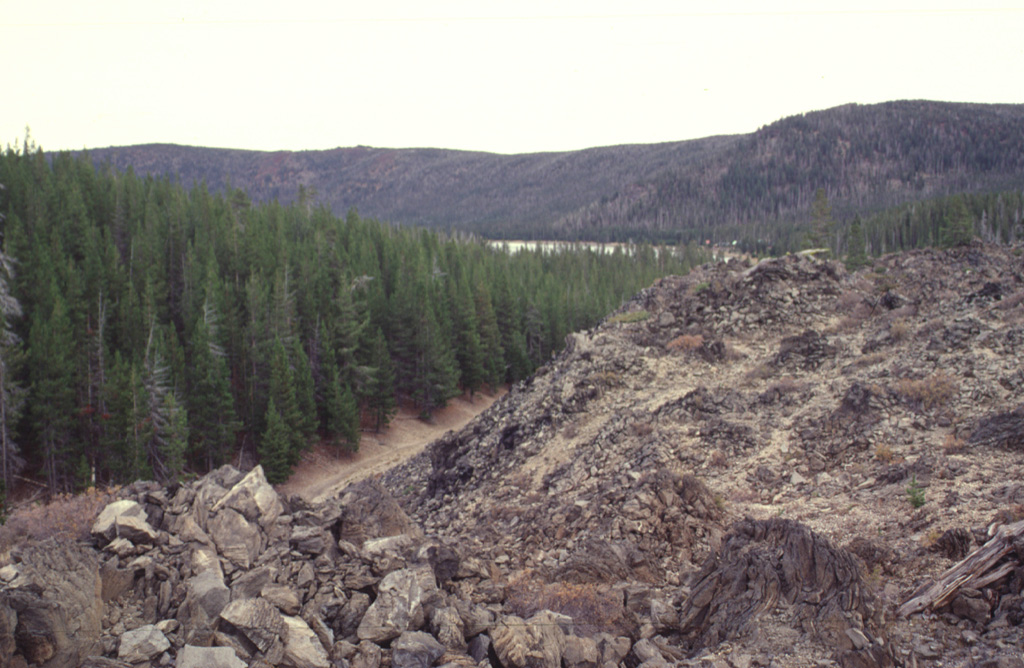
(149, 331)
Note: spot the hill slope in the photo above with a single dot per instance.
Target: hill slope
(754, 465)
(866, 157)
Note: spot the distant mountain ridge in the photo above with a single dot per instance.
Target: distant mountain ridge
(866, 157)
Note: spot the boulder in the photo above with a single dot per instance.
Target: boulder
(285, 598)
(142, 644)
(257, 620)
(125, 518)
(205, 598)
(370, 512)
(254, 498)
(537, 642)
(368, 655)
(208, 657)
(236, 538)
(302, 649)
(55, 605)
(402, 597)
(415, 649)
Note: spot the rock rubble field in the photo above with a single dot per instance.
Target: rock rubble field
(775, 463)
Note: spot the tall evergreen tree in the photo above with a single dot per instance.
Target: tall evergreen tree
(957, 225)
(275, 447)
(856, 256)
(51, 372)
(380, 392)
(11, 394)
(282, 393)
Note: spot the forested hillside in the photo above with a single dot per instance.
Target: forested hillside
(757, 188)
(150, 330)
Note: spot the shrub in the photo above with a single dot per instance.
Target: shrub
(700, 287)
(593, 608)
(927, 393)
(685, 343)
(899, 330)
(65, 517)
(884, 453)
(915, 493)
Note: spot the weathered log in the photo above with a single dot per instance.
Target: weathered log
(972, 571)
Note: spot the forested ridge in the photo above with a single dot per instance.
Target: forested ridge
(150, 330)
(756, 188)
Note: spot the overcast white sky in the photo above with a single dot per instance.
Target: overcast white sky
(509, 77)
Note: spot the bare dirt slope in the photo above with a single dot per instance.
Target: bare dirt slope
(326, 470)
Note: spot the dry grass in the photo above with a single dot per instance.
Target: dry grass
(899, 329)
(953, 445)
(685, 343)
(884, 453)
(594, 608)
(934, 391)
(66, 517)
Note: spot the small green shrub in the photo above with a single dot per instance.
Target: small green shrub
(915, 493)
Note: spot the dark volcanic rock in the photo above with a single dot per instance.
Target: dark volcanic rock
(765, 564)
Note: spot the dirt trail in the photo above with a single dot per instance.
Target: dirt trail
(324, 470)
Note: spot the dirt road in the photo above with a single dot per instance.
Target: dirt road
(325, 470)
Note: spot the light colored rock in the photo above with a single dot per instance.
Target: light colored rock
(535, 643)
(105, 527)
(136, 529)
(399, 606)
(142, 644)
(284, 598)
(208, 657)
(302, 649)
(254, 498)
(237, 539)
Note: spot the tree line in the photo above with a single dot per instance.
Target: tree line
(149, 331)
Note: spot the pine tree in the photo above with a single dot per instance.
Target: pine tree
(305, 391)
(466, 339)
(820, 233)
(275, 447)
(342, 414)
(282, 393)
(213, 421)
(490, 339)
(380, 391)
(856, 256)
(11, 394)
(51, 372)
(957, 224)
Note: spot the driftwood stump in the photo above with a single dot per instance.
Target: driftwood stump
(975, 571)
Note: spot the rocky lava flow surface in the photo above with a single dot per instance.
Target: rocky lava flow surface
(760, 464)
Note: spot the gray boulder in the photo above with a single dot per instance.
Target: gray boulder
(125, 518)
(400, 606)
(236, 538)
(302, 649)
(254, 498)
(535, 643)
(257, 620)
(142, 644)
(205, 598)
(208, 657)
(415, 649)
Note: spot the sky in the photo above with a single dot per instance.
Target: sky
(506, 77)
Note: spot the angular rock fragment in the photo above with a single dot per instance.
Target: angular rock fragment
(142, 644)
(401, 603)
